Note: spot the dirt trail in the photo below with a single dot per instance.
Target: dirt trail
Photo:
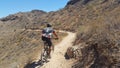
(57, 59)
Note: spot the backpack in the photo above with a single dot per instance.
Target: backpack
(47, 32)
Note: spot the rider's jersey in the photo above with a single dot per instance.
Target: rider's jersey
(47, 32)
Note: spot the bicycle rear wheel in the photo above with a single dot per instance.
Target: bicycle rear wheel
(44, 54)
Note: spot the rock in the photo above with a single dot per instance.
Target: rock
(73, 52)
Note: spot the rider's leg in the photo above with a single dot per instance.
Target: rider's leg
(49, 52)
(44, 41)
(50, 46)
(45, 44)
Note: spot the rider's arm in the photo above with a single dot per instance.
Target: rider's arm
(55, 34)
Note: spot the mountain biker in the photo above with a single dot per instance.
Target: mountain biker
(47, 35)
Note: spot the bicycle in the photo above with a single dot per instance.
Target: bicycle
(45, 52)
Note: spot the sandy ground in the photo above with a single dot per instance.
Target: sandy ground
(57, 58)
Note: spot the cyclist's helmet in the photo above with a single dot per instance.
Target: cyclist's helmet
(48, 25)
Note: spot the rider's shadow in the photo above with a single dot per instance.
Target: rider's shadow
(33, 65)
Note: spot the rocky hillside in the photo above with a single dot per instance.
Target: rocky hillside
(98, 33)
(18, 45)
(23, 20)
(95, 21)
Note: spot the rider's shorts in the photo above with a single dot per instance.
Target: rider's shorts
(47, 40)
